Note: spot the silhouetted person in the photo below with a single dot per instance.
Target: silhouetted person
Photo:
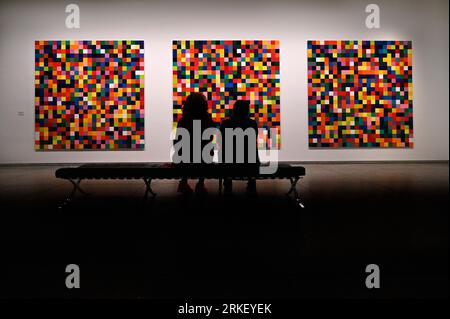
(195, 108)
(246, 162)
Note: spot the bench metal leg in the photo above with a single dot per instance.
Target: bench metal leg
(293, 189)
(76, 187)
(148, 188)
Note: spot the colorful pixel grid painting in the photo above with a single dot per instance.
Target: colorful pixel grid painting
(89, 95)
(226, 71)
(360, 94)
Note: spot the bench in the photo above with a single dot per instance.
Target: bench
(154, 171)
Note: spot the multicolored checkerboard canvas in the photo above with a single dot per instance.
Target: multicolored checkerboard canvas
(89, 95)
(226, 71)
(360, 94)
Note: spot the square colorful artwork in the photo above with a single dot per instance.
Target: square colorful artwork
(89, 95)
(226, 71)
(360, 94)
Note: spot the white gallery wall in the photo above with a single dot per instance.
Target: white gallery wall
(425, 22)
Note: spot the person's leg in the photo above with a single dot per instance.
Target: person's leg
(200, 187)
(227, 186)
(183, 186)
(251, 186)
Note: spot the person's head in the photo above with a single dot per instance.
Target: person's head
(196, 106)
(241, 109)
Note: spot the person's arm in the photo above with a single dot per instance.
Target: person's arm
(255, 127)
(177, 136)
(221, 142)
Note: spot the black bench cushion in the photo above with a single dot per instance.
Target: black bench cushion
(170, 171)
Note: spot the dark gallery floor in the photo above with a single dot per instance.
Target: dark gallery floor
(393, 215)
